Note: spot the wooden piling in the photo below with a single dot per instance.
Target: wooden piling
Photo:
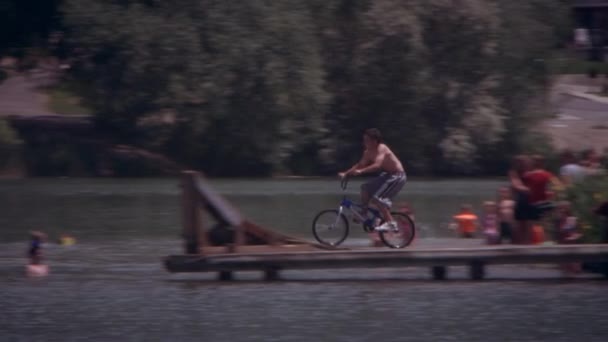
(271, 273)
(225, 276)
(193, 233)
(439, 272)
(477, 270)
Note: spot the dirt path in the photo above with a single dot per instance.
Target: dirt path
(20, 96)
(582, 118)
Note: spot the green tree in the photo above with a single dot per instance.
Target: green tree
(447, 81)
(241, 85)
(26, 25)
(288, 86)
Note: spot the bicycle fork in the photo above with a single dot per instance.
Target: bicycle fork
(340, 213)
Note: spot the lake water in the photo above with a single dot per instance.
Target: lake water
(110, 285)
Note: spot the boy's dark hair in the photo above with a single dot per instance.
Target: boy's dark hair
(374, 134)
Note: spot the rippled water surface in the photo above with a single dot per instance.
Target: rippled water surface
(110, 285)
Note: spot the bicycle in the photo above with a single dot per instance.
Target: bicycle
(335, 221)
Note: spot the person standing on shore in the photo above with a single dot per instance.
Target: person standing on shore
(490, 223)
(570, 172)
(505, 214)
(523, 210)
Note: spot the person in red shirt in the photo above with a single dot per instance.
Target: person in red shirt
(538, 181)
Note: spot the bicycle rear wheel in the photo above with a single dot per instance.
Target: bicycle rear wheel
(330, 228)
(403, 236)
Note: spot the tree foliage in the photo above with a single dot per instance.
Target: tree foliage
(27, 24)
(241, 87)
(262, 86)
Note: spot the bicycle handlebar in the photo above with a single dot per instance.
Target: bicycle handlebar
(344, 183)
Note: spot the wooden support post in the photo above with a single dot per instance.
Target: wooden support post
(192, 224)
(477, 270)
(271, 274)
(225, 276)
(439, 272)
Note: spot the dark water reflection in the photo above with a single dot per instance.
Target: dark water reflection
(110, 286)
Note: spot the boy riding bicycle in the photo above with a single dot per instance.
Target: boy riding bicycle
(382, 189)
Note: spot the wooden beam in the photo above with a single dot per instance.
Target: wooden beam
(227, 215)
(192, 221)
(217, 206)
(390, 258)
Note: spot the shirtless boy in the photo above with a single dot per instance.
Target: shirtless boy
(377, 157)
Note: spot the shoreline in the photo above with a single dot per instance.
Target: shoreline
(18, 176)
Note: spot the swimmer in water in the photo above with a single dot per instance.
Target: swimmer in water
(35, 267)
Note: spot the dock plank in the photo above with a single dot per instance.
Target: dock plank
(369, 258)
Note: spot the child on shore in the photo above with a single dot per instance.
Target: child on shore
(505, 213)
(567, 225)
(567, 233)
(466, 221)
(490, 223)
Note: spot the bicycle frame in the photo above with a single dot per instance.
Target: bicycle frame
(402, 229)
(347, 205)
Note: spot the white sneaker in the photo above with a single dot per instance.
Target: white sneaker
(387, 227)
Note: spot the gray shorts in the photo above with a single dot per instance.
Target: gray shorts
(385, 187)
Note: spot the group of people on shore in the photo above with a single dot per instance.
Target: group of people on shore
(528, 206)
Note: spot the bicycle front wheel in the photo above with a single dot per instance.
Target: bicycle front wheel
(403, 235)
(330, 228)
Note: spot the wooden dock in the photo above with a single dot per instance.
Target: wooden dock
(271, 262)
(236, 244)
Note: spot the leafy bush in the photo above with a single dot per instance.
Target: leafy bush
(584, 197)
(9, 144)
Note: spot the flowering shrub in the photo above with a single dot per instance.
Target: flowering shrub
(584, 197)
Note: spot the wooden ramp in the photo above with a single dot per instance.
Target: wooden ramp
(271, 262)
(230, 232)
